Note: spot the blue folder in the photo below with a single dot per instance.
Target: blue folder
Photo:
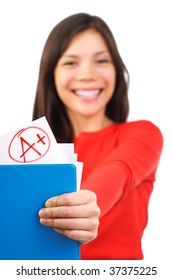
(23, 192)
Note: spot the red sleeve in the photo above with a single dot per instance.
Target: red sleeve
(134, 160)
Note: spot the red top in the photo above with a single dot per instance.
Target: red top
(120, 163)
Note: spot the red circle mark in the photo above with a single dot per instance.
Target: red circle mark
(20, 140)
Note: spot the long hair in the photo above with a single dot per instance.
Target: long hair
(47, 102)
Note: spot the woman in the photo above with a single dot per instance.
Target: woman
(83, 92)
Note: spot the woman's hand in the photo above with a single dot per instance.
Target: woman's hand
(75, 215)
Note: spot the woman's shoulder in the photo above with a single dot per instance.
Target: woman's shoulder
(141, 128)
(141, 124)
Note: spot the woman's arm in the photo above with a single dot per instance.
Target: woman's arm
(134, 160)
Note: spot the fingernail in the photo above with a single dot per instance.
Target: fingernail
(44, 221)
(48, 203)
(42, 213)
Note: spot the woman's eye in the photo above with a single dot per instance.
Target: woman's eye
(103, 61)
(70, 63)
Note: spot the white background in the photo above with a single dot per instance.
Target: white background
(143, 31)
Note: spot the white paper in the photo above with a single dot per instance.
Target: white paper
(35, 143)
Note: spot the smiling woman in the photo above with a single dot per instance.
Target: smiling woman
(47, 101)
(83, 92)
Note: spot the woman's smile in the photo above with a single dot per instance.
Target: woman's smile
(87, 93)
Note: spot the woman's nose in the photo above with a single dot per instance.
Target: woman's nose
(86, 72)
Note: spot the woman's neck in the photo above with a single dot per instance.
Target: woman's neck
(88, 124)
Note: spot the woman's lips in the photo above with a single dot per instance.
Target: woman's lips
(87, 93)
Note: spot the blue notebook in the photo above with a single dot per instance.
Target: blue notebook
(23, 192)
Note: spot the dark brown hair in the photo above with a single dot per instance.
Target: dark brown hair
(47, 103)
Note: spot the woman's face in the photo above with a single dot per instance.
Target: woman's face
(85, 75)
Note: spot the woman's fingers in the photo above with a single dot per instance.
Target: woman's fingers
(69, 212)
(72, 223)
(82, 236)
(81, 229)
(72, 205)
(71, 199)
(75, 215)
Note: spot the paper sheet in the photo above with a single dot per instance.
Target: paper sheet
(35, 143)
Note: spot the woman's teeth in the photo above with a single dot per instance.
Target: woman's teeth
(87, 93)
